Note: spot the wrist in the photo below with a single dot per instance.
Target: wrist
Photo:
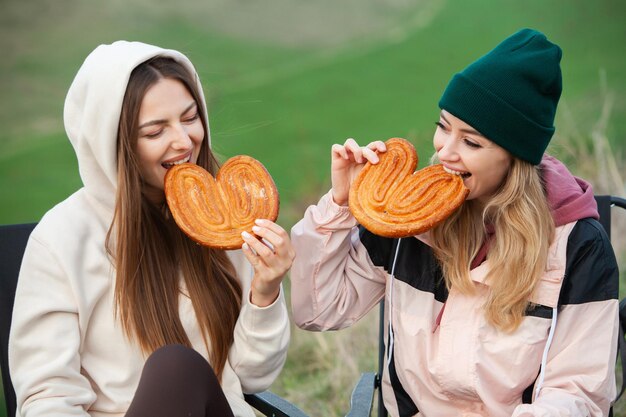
(263, 299)
(340, 201)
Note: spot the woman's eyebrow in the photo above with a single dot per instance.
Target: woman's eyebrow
(464, 130)
(152, 122)
(189, 107)
(161, 121)
(472, 132)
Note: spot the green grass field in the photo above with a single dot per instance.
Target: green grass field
(286, 79)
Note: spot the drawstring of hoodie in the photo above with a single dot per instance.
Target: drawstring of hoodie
(393, 270)
(544, 358)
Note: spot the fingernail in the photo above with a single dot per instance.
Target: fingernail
(256, 229)
(246, 235)
(260, 222)
(245, 246)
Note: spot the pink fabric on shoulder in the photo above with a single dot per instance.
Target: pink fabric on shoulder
(570, 197)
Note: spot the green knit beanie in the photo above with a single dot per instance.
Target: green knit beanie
(510, 94)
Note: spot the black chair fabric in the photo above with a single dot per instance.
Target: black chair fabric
(13, 240)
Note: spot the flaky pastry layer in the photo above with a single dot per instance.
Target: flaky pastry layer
(391, 199)
(214, 211)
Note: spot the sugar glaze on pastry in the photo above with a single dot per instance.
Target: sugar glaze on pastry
(214, 211)
(391, 199)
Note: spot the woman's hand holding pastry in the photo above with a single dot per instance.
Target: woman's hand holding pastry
(347, 160)
(271, 254)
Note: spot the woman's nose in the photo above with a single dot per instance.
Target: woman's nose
(447, 151)
(181, 139)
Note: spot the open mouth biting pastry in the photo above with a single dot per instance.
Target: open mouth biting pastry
(391, 199)
(214, 211)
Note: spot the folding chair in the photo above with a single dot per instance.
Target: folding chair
(13, 240)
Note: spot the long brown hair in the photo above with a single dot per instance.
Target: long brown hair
(521, 217)
(151, 254)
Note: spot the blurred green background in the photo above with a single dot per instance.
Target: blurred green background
(285, 79)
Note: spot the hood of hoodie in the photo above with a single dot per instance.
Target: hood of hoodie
(92, 111)
(570, 198)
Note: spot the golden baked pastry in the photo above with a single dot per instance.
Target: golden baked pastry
(390, 199)
(214, 211)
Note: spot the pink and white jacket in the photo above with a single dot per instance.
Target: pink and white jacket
(452, 362)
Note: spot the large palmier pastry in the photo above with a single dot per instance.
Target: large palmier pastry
(214, 211)
(390, 199)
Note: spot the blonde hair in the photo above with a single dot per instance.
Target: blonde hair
(520, 214)
(151, 254)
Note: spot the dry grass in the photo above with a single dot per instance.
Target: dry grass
(324, 367)
(301, 24)
(590, 154)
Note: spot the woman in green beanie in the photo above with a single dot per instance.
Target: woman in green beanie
(507, 308)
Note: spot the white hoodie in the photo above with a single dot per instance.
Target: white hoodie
(68, 355)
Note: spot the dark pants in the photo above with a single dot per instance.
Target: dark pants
(178, 382)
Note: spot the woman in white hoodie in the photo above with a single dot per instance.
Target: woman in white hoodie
(110, 288)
